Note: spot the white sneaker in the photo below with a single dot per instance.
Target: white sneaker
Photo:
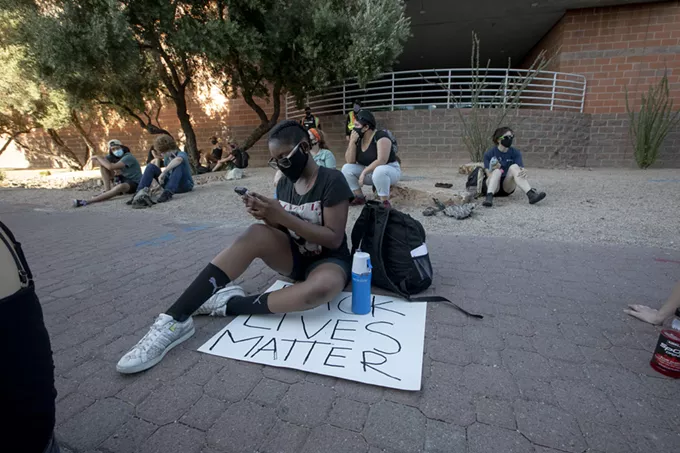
(217, 304)
(165, 334)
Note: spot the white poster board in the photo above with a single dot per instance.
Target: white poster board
(384, 347)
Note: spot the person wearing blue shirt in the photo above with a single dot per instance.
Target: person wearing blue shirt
(174, 178)
(505, 169)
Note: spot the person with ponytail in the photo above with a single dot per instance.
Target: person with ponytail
(301, 235)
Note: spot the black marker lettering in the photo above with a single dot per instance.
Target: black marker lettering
(373, 307)
(309, 353)
(240, 341)
(330, 354)
(340, 306)
(379, 306)
(273, 340)
(281, 322)
(292, 345)
(314, 343)
(336, 328)
(384, 335)
(304, 328)
(245, 324)
(367, 364)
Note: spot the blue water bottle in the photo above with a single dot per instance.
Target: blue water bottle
(361, 283)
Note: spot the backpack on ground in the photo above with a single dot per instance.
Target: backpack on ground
(242, 157)
(476, 182)
(396, 243)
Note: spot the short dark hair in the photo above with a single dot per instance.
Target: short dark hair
(307, 107)
(498, 133)
(289, 132)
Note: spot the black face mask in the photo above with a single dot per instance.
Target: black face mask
(359, 131)
(214, 143)
(297, 163)
(507, 141)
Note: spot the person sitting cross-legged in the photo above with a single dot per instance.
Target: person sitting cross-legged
(125, 170)
(174, 178)
(506, 169)
(370, 160)
(302, 236)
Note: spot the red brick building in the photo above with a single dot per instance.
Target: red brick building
(614, 44)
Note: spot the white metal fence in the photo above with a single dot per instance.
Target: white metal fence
(447, 88)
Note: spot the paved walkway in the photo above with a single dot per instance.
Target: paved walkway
(554, 367)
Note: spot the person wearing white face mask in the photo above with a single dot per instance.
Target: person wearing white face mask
(127, 171)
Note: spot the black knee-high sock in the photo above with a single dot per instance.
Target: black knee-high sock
(249, 305)
(209, 281)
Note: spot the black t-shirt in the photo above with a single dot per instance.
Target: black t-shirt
(217, 153)
(369, 156)
(329, 189)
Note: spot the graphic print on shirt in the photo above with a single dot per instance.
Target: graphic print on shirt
(309, 212)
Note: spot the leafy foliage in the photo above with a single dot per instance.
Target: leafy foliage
(649, 127)
(263, 48)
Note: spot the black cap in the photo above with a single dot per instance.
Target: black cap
(366, 117)
(677, 312)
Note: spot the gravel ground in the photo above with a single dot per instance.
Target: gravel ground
(621, 206)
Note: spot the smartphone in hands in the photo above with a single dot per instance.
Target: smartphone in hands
(241, 190)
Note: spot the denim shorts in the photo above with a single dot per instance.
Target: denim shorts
(304, 265)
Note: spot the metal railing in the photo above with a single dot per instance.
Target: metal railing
(447, 88)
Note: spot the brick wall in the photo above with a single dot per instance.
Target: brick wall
(617, 47)
(613, 47)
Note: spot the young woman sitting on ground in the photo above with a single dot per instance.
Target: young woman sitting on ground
(302, 236)
(319, 151)
(370, 159)
(506, 169)
(121, 161)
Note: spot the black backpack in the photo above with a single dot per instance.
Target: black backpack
(476, 182)
(242, 157)
(396, 243)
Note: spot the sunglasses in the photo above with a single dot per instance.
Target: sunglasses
(508, 136)
(283, 162)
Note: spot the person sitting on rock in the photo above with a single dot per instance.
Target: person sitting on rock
(125, 170)
(654, 316)
(370, 159)
(175, 178)
(506, 169)
(302, 236)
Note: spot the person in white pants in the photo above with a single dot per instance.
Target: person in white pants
(370, 160)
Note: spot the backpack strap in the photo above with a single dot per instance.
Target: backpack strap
(435, 299)
(359, 229)
(14, 247)
(445, 300)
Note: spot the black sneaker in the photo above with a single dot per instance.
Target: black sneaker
(79, 203)
(489, 200)
(165, 196)
(534, 197)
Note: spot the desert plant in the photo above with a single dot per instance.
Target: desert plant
(2, 175)
(650, 126)
(488, 108)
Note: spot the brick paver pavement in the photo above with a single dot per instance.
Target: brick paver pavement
(554, 366)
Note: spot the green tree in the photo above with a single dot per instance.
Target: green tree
(118, 54)
(25, 104)
(266, 48)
